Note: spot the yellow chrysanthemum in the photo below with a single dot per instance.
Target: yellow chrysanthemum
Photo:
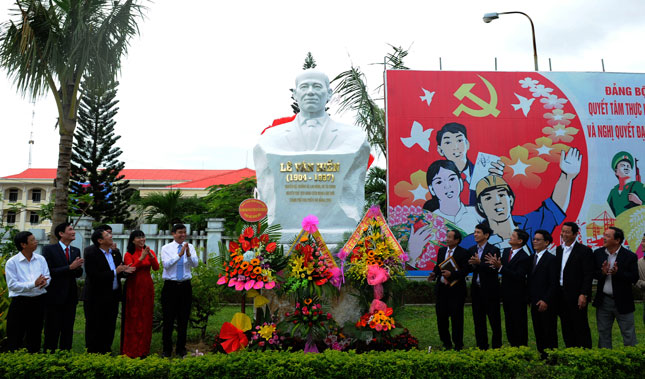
(267, 331)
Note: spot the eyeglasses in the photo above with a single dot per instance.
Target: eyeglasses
(538, 239)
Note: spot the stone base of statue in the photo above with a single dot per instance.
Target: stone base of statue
(344, 308)
(329, 185)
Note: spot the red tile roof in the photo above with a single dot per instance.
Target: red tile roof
(35, 173)
(193, 178)
(228, 177)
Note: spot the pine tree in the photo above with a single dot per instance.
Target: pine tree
(96, 171)
(310, 62)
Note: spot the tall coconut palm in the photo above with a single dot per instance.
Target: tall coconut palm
(355, 96)
(166, 209)
(49, 46)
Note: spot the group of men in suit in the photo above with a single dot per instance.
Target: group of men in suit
(52, 295)
(550, 285)
(101, 292)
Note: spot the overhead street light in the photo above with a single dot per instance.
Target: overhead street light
(488, 17)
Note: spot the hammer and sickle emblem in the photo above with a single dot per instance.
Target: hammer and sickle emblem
(486, 108)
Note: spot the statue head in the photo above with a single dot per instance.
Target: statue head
(312, 92)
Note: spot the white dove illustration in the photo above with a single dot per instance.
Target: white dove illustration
(525, 104)
(427, 96)
(418, 136)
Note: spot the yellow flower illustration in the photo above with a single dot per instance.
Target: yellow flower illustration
(522, 170)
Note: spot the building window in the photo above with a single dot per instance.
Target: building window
(35, 195)
(11, 217)
(33, 217)
(13, 195)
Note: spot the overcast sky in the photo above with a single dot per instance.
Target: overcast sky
(205, 77)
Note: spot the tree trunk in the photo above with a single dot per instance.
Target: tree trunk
(61, 188)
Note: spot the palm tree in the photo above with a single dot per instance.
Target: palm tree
(51, 45)
(376, 188)
(166, 209)
(355, 96)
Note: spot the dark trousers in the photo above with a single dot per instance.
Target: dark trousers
(100, 323)
(516, 322)
(450, 308)
(176, 299)
(545, 326)
(575, 326)
(25, 322)
(482, 308)
(59, 325)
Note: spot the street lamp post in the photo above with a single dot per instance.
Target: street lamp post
(488, 17)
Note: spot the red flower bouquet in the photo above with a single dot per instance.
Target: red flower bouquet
(254, 259)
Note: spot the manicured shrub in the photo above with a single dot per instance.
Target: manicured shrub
(626, 362)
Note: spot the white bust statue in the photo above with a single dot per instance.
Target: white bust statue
(312, 138)
(313, 130)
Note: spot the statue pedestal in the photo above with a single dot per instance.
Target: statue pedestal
(329, 185)
(343, 308)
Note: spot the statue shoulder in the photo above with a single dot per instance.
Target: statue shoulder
(276, 134)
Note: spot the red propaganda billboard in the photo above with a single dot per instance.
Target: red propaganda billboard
(525, 150)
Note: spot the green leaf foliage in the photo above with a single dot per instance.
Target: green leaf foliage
(96, 170)
(223, 201)
(376, 188)
(356, 97)
(624, 362)
(206, 294)
(168, 208)
(48, 46)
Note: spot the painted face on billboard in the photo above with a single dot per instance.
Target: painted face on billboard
(496, 204)
(623, 169)
(446, 185)
(453, 147)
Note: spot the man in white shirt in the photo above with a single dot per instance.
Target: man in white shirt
(101, 295)
(514, 265)
(451, 291)
(574, 262)
(27, 277)
(542, 286)
(616, 269)
(177, 258)
(65, 266)
(485, 291)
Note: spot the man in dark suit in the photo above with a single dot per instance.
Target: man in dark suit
(514, 265)
(542, 285)
(65, 265)
(616, 269)
(485, 289)
(451, 291)
(102, 291)
(574, 262)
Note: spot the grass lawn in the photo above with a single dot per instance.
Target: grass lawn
(419, 319)
(422, 323)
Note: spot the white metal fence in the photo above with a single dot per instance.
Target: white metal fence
(206, 241)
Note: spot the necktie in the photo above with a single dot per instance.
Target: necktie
(535, 260)
(67, 253)
(510, 255)
(465, 192)
(448, 255)
(311, 133)
(180, 265)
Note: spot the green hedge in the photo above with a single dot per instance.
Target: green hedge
(628, 362)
